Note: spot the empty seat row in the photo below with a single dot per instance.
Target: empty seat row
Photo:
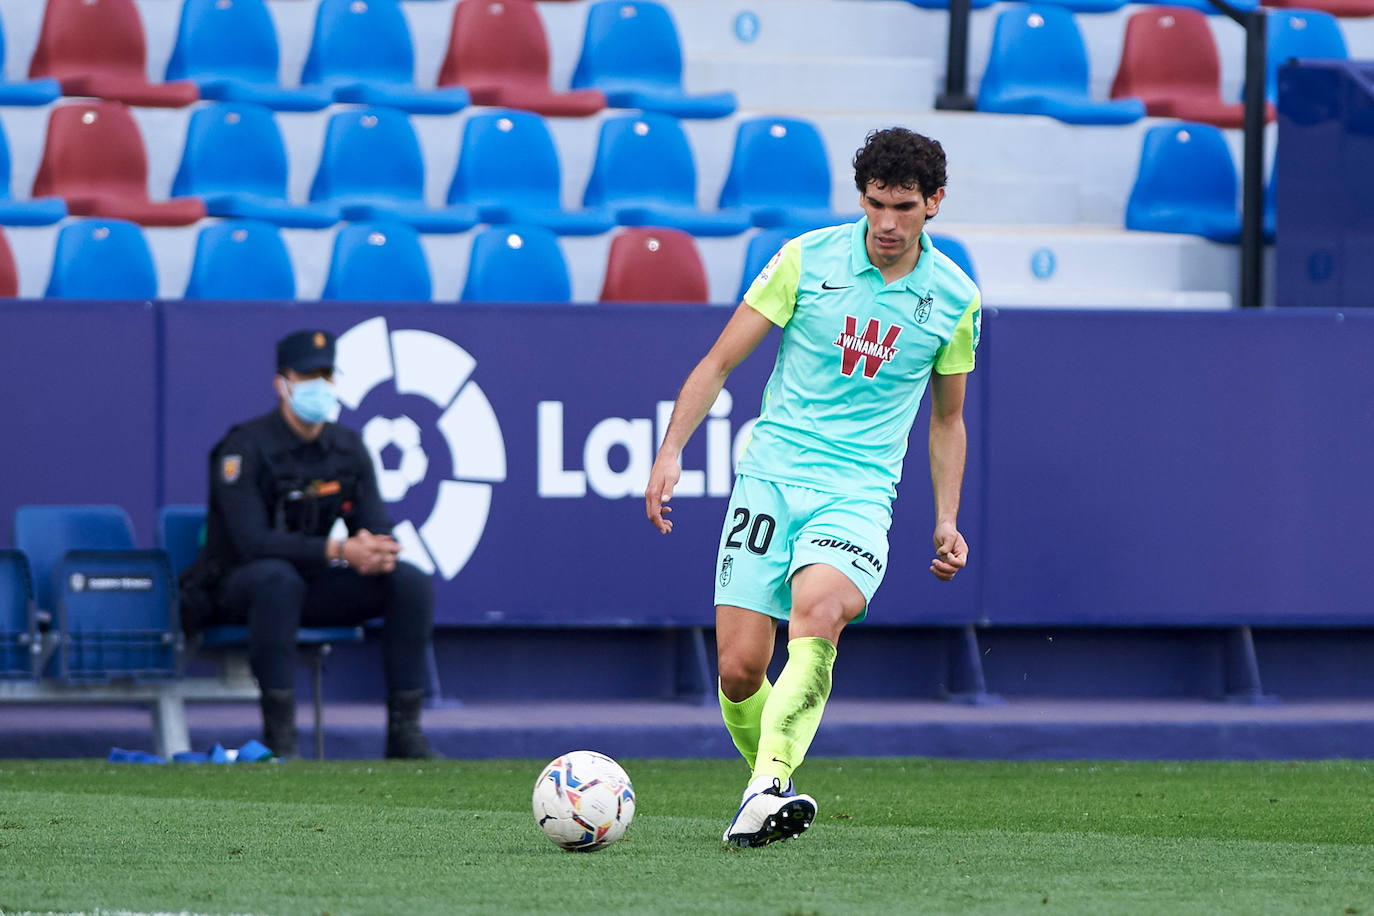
(361, 52)
(371, 167)
(1169, 64)
(371, 262)
(375, 262)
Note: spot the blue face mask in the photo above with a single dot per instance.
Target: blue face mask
(314, 400)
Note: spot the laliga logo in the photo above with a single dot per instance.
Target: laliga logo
(438, 370)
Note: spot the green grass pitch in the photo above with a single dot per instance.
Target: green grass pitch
(892, 836)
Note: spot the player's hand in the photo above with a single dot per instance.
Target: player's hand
(664, 476)
(951, 552)
(371, 554)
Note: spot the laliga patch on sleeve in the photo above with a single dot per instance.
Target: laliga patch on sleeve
(768, 268)
(230, 468)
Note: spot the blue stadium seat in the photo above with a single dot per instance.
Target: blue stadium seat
(181, 532)
(235, 160)
(780, 172)
(19, 641)
(378, 262)
(102, 259)
(508, 168)
(363, 52)
(631, 52)
(954, 249)
(116, 606)
(241, 259)
(371, 167)
(516, 264)
(39, 211)
(1186, 183)
(645, 174)
(229, 49)
(758, 253)
(30, 92)
(1299, 33)
(1038, 65)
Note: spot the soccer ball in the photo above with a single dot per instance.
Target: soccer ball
(583, 801)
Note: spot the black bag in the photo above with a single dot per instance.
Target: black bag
(199, 583)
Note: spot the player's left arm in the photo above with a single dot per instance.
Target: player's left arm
(948, 446)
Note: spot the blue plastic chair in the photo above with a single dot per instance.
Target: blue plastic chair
(235, 160)
(372, 169)
(116, 606)
(19, 640)
(1299, 33)
(102, 259)
(1186, 183)
(40, 211)
(362, 51)
(241, 259)
(954, 249)
(517, 264)
(758, 253)
(378, 262)
(30, 92)
(229, 48)
(508, 168)
(631, 52)
(1038, 65)
(645, 174)
(780, 172)
(180, 533)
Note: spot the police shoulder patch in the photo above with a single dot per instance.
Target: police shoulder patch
(231, 467)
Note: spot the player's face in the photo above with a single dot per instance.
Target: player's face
(896, 216)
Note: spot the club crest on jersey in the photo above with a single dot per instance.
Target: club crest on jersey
(923, 309)
(866, 346)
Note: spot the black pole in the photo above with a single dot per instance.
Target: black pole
(956, 97)
(1252, 174)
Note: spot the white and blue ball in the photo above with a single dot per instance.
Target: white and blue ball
(583, 801)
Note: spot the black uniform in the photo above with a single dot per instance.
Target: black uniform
(273, 499)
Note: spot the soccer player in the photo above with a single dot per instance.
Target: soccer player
(871, 314)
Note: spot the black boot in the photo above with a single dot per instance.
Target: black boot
(279, 721)
(403, 736)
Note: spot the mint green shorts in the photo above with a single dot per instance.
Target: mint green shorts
(774, 529)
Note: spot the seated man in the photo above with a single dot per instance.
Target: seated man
(278, 484)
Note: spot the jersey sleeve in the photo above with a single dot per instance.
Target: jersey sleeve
(956, 357)
(773, 294)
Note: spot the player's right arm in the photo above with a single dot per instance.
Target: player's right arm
(745, 330)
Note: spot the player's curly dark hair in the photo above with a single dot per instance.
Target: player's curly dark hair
(897, 156)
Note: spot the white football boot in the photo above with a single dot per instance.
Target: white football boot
(766, 815)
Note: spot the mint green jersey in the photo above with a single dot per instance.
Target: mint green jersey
(855, 358)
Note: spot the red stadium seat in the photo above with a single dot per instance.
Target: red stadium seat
(499, 52)
(1349, 8)
(1169, 61)
(654, 265)
(97, 49)
(9, 275)
(94, 158)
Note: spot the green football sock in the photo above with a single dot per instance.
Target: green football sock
(742, 719)
(793, 711)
